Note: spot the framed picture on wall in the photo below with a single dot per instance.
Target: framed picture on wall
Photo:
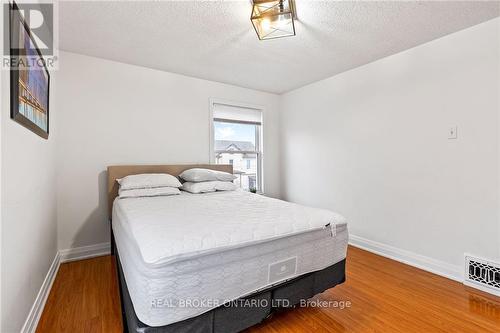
(29, 78)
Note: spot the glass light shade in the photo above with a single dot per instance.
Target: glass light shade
(273, 18)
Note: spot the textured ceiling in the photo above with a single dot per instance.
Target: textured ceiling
(215, 40)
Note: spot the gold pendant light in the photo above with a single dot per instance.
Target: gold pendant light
(273, 19)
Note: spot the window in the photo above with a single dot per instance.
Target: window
(236, 139)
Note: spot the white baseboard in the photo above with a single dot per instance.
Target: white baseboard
(85, 252)
(410, 258)
(62, 256)
(482, 288)
(36, 310)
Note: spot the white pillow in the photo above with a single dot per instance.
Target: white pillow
(148, 180)
(210, 186)
(203, 175)
(148, 192)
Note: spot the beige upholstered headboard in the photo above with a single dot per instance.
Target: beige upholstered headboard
(119, 171)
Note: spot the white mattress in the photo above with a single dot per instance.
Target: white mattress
(187, 254)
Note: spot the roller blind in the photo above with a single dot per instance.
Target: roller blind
(224, 112)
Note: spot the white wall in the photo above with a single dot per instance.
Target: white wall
(114, 113)
(372, 144)
(28, 214)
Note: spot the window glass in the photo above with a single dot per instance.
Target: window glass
(238, 144)
(244, 134)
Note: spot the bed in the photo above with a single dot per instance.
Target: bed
(218, 262)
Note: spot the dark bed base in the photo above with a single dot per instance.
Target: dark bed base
(226, 319)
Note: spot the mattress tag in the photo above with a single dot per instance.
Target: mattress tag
(333, 229)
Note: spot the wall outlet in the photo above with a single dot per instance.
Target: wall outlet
(452, 132)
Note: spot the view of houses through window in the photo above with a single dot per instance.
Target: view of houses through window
(238, 143)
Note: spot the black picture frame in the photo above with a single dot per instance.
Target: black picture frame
(38, 110)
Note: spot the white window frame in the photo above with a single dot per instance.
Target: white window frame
(259, 137)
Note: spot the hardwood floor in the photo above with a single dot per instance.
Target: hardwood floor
(384, 295)
(84, 298)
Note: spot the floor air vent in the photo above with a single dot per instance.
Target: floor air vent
(482, 274)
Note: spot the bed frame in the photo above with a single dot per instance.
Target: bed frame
(224, 319)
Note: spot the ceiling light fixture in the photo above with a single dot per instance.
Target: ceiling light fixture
(273, 18)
